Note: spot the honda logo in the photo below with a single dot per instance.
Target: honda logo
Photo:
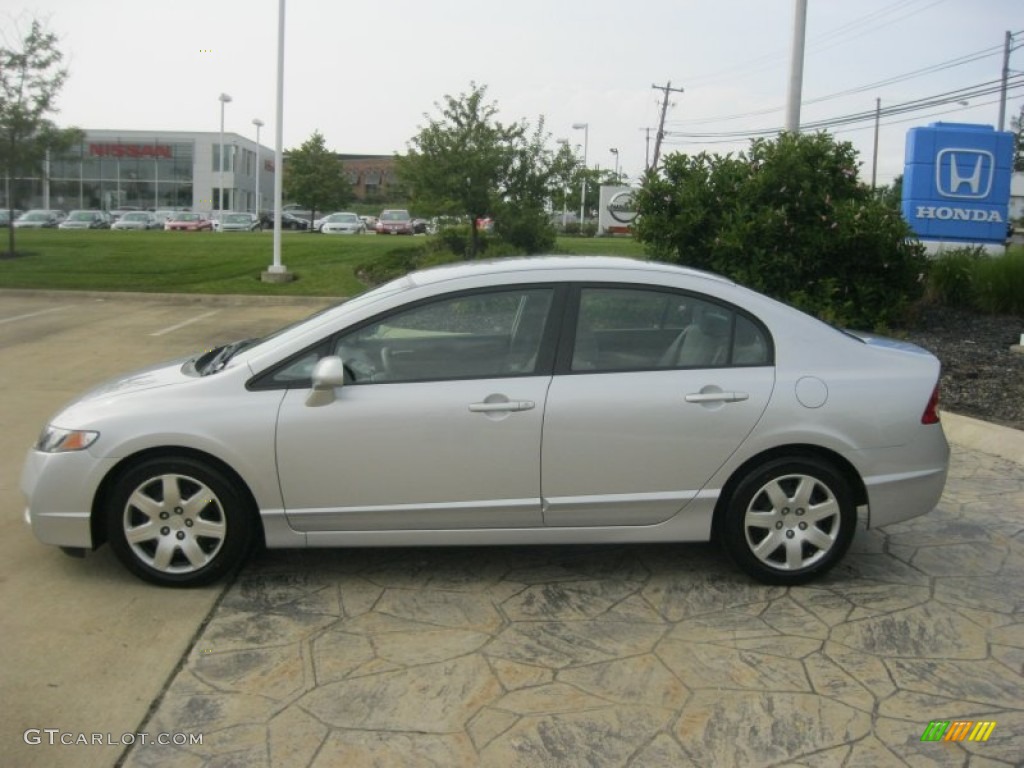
(965, 174)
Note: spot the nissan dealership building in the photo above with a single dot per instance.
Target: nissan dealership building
(112, 169)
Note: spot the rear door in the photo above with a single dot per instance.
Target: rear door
(652, 393)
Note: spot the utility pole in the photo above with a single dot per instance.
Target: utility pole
(796, 68)
(1006, 77)
(874, 155)
(666, 89)
(647, 148)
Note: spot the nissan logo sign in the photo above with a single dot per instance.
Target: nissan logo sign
(621, 208)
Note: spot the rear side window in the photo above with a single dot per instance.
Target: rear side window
(631, 329)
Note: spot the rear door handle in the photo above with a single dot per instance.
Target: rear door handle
(717, 397)
(510, 405)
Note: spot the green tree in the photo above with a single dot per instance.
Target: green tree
(467, 163)
(1017, 126)
(313, 177)
(31, 78)
(787, 218)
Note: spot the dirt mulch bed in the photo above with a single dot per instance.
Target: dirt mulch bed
(981, 377)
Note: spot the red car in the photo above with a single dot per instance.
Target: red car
(395, 222)
(188, 222)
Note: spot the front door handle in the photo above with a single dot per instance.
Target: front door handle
(507, 405)
(717, 397)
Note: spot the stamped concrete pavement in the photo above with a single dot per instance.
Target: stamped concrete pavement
(621, 655)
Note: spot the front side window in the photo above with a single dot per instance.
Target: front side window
(476, 335)
(479, 335)
(626, 329)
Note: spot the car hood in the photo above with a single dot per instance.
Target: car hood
(160, 375)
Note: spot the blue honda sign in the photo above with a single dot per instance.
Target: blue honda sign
(956, 182)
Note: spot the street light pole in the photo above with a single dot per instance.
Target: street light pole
(224, 99)
(259, 124)
(585, 127)
(615, 151)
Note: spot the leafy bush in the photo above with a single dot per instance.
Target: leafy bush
(787, 218)
(951, 277)
(998, 284)
(401, 261)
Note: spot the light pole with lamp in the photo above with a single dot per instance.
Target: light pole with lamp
(585, 127)
(224, 99)
(615, 151)
(259, 124)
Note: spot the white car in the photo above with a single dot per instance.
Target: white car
(553, 400)
(137, 220)
(342, 224)
(39, 218)
(86, 220)
(237, 222)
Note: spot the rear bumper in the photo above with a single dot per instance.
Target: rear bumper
(907, 481)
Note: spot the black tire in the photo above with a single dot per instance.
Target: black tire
(789, 520)
(187, 541)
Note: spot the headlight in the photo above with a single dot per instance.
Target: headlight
(56, 440)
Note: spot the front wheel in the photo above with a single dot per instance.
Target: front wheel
(179, 522)
(789, 520)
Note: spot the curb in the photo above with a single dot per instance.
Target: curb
(209, 299)
(983, 436)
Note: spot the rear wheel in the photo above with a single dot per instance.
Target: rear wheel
(178, 522)
(789, 520)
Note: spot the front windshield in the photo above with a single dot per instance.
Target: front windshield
(188, 217)
(80, 216)
(297, 328)
(35, 217)
(134, 217)
(395, 216)
(238, 218)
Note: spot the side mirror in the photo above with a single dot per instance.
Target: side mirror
(328, 374)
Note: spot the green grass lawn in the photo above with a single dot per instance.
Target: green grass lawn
(214, 262)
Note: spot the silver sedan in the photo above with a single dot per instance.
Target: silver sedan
(527, 401)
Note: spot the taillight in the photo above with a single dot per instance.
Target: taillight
(931, 411)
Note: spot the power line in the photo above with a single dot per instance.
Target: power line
(758, 63)
(928, 102)
(967, 58)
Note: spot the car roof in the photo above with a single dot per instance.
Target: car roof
(553, 263)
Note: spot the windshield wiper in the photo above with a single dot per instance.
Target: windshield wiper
(221, 356)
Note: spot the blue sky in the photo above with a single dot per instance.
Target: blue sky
(364, 74)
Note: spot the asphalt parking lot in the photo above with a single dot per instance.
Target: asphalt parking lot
(511, 656)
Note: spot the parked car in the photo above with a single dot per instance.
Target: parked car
(419, 226)
(137, 220)
(5, 217)
(291, 221)
(553, 400)
(86, 220)
(39, 218)
(369, 223)
(395, 222)
(239, 222)
(188, 221)
(343, 224)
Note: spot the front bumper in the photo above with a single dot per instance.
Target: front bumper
(59, 489)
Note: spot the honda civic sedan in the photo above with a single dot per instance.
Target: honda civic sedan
(554, 400)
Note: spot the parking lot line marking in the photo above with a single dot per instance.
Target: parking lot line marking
(34, 314)
(195, 319)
